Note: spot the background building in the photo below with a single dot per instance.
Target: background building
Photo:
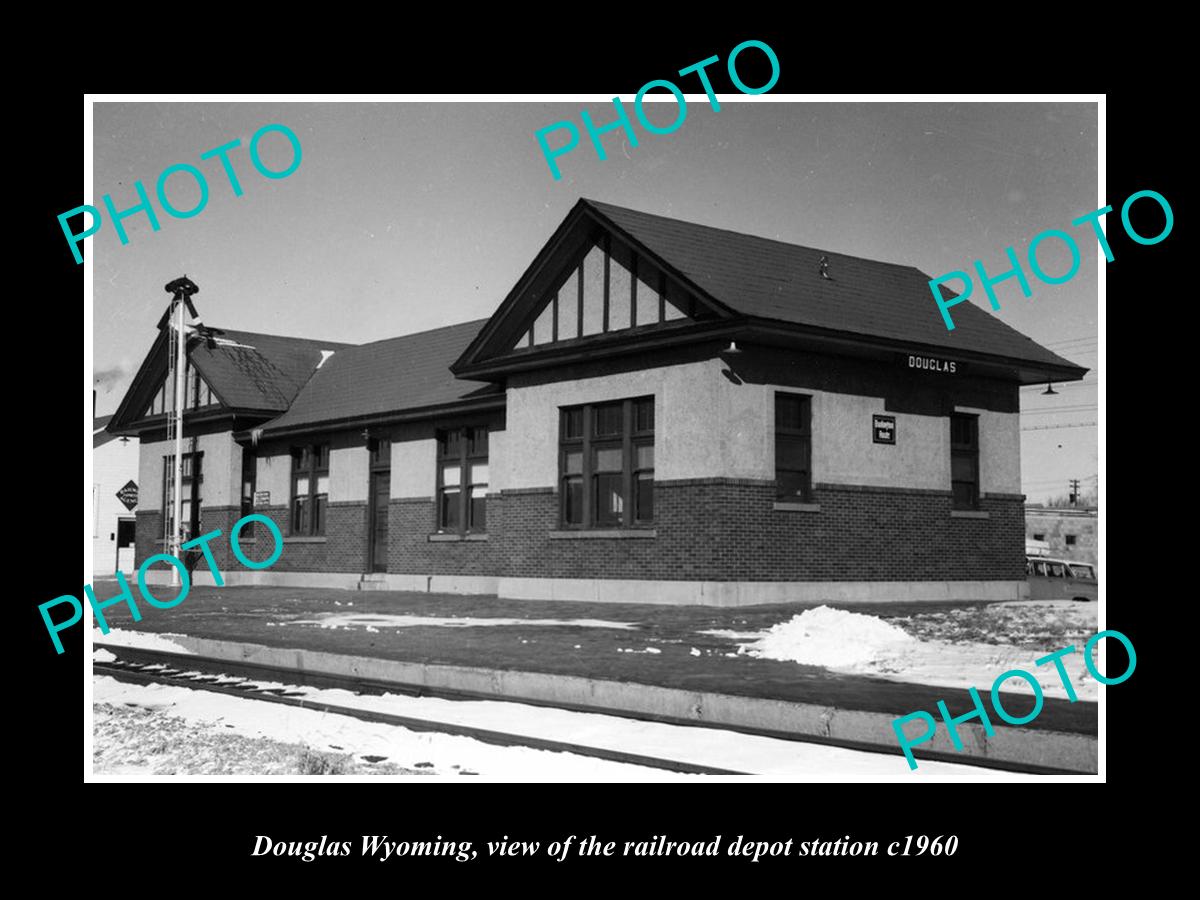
(1067, 533)
(114, 499)
(657, 412)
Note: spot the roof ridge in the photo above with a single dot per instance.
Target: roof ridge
(745, 234)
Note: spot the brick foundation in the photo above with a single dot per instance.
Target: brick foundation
(706, 530)
(728, 530)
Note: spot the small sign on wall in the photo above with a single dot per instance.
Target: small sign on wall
(262, 498)
(884, 429)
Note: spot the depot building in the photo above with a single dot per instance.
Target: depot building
(657, 412)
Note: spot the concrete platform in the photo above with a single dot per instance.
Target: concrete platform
(609, 668)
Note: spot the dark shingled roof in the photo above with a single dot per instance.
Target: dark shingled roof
(384, 377)
(258, 371)
(765, 278)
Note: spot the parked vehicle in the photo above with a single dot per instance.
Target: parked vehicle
(1061, 579)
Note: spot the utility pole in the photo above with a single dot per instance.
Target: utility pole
(1074, 484)
(181, 290)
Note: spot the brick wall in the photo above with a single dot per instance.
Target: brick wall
(410, 523)
(706, 529)
(727, 530)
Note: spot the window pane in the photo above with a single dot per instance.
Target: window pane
(300, 515)
(645, 497)
(643, 415)
(962, 430)
(791, 484)
(573, 463)
(644, 457)
(790, 412)
(479, 474)
(318, 526)
(573, 501)
(791, 452)
(478, 509)
(451, 443)
(301, 485)
(451, 476)
(964, 493)
(607, 459)
(962, 468)
(610, 499)
(322, 454)
(608, 419)
(449, 513)
(572, 423)
(593, 291)
(323, 484)
(478, 443)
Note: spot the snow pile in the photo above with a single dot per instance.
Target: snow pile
(829, 637)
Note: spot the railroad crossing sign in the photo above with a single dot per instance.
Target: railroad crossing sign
(128, 495)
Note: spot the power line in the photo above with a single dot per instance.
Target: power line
(1078, 407)
(1052, 427)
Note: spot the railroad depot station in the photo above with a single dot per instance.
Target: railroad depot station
(658, 412)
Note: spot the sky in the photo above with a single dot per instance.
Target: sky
(406, 216)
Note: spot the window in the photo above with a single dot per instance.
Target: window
(1070, 540)
(193, 479)
(1040, 537)
(249, 480)
(793, 447)
(310, 489)
(606, 464)
(462, 480)
(964, 460)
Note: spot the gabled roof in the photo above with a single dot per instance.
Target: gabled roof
(247, 371)
(377, 380)
(100, 437)
(758, 279)
(258, 371)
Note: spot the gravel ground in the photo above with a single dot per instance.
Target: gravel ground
(138, 741)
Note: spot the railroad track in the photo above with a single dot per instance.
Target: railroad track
(140, 665)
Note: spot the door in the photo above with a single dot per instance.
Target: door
(377, 521)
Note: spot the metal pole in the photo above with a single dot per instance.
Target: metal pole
(177, 412)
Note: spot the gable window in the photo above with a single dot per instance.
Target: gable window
(606, 464)
(189, 511)
(610, 288)
(310, 489)
(462, 481)
(964, 460)
(196, 393)
(793, 447)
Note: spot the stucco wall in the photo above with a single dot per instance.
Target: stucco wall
(222, 470)
(709, 425)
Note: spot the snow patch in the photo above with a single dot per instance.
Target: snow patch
(102, 656)
(124, 638)
(376, 621)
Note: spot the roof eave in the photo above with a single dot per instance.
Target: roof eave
(477, 404)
